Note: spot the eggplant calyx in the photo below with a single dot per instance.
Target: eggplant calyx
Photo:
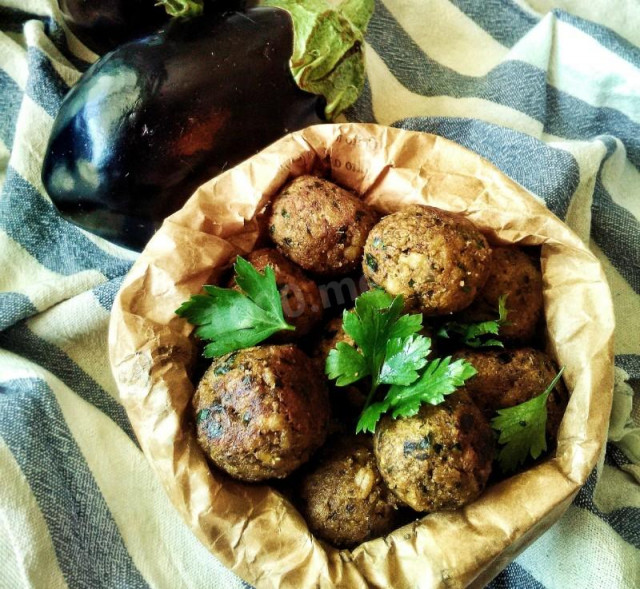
(328, 48)
(182, 8)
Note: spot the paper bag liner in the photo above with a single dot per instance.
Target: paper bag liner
(254, 530)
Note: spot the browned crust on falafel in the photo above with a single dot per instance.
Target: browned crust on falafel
(320, 226)
(437, 260)
(344, 499)
(506, 378)
(261, 412)
(438, 459)
(515, 274)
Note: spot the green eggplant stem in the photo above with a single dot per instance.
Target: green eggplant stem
(328, 48)
(182, 8)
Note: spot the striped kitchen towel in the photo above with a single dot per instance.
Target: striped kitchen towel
(547, 90)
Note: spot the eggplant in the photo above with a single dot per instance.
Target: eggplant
(155, 118)
(102, 25)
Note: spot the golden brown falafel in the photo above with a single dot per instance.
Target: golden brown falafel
(437, 260)
(344, 499)
(261, 412)
(515, 274)
(509, 377)
(438, 459)
(320, 226)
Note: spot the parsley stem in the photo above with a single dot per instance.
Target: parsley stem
(372, 391)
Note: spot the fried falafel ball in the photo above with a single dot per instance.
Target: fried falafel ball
(437, 260)
(438, 459)
(515, 274)
(344, 499)
(261, 412)
(300, 296)
(506, 378)
(320, 226)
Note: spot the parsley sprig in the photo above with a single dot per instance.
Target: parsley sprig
(389, 350)
(522, 429)
(441, 377)
(233, 320)
(472, 334)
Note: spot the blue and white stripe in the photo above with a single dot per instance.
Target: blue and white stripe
(550, 97)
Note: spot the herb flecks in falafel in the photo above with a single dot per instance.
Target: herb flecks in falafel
(320, 226)
(440, 458)
(437, 260)
(343, 498)
(263, 415)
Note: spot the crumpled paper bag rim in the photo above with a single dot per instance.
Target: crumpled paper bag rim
(252, 529)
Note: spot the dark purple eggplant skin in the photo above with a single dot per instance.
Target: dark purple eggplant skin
(102, 25)
(151, 121)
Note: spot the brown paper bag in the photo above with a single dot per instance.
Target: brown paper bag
(252, 529)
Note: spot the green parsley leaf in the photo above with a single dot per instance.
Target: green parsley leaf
(522, 429)
(441, 377)
(386, 347)
(471, 334)
(260, 288)
(403, 359)
(405, 326)
(234, 320)
(389, 350)
(346, 364)
(373, 322)
(370, 417)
